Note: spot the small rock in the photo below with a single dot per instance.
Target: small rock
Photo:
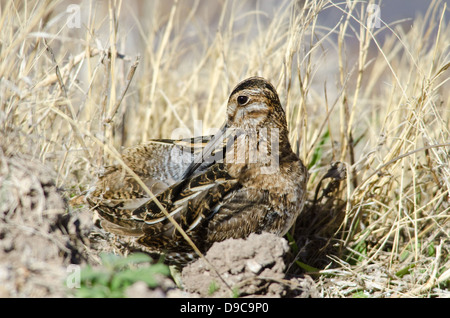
(254, 266)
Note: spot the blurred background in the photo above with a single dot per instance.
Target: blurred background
(209, 13)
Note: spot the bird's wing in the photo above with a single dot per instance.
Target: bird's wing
(164, 159)
(190, 200)
(159, 163)
(212, 151)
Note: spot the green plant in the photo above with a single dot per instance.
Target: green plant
(117, 273)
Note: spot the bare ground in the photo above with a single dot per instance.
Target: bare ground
(38, 238)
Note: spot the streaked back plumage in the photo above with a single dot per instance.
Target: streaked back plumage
(214, 200)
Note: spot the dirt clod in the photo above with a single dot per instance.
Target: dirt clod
(251, 267)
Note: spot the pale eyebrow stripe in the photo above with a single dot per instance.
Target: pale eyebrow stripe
(255, 91)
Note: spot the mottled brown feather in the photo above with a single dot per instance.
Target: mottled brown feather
(213, 201)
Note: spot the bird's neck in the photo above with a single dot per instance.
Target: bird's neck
(264, 149)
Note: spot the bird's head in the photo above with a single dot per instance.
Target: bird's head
(254, 104)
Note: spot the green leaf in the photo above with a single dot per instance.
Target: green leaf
(306, 267)
(109, 260)
(235, 292)
(212, 288)
(318, 150)
(117, 273)
(91, 276)
(404, 271)
(431, 250)
(292, 243)
(360, 294)
(97, 291)
(136, 258)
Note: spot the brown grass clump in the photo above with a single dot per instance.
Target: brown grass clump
(367, 110)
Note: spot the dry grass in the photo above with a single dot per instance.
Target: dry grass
(70, 96)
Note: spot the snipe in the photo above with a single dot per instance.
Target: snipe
(244, 179)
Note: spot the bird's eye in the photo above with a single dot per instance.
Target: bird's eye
(242, 100)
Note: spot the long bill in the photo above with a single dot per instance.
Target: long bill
(214, 150)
